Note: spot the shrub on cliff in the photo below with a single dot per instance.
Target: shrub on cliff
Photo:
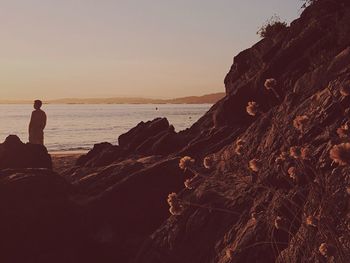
(306, 3)
(272, 27)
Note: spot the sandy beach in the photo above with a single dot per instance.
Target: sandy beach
(63, 161)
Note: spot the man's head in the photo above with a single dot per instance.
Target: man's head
(38, 104)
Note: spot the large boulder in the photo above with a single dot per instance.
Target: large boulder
(150, 138)
(101, 155)
(16, 154)
(127, 212)
(142, 132)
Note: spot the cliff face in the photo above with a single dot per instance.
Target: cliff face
(265, 216)
(271, 192)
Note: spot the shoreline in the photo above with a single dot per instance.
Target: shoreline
(64, 161)
(68, 152)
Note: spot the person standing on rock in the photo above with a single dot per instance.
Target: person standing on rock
(37, 124)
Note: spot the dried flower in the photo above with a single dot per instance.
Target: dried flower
(295, 152)
(324, 250)
(281, 158)
(311, 221)
(345, 90)
(187, 184)
(255, 165)
(240, 142)
(192, 183)
(186, 162)
(239, 147)
(341, 154)
(344, 131)
(254, 216)
(306, 153)
(252, 108)
(176, 207)
(229, 253)
(208, 162)
(292, 172)
(280, 222)
(270, 84)
(300, 122)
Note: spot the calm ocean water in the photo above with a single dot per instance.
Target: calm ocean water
(79, 127)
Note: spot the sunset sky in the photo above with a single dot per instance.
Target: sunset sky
(145, 48)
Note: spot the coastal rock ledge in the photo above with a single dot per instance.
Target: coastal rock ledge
(16, 154)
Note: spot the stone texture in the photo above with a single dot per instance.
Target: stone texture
(16, 154)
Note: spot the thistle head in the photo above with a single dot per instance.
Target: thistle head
(189, 184)
(176, 207)
(252, 108)
(281, 158)
(239, 149)
(311, 221)
(326, 250)
(255, 165)
(345, 90)
(240, 142)
(229, 253)
(208, 162)
(186, 162)
(292, 172)
(306, 153)
(344, 131)
(341, 154)
(280, 222)
(295, 152)
(300, 122)
(270, 84)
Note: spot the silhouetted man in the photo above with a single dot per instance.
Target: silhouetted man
(37, 124)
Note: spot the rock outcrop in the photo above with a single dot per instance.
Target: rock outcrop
(152, 137)
(101, 155)
(293, 207)
(16, 154)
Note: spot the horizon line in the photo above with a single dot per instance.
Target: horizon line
(109, 100)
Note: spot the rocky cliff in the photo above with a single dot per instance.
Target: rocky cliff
(273, 187)
(278, 187)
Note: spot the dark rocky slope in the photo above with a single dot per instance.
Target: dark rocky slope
(39, 222)
(311, 63)
(16, 154)
(116, 195)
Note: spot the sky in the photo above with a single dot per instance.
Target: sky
(134, 48)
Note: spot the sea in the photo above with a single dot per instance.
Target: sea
(77, 127)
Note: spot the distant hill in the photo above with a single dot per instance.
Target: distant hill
(210, 99)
